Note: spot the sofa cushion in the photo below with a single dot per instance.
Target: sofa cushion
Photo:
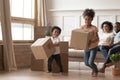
(80, 54)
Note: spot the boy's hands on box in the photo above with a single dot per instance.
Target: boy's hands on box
(51, 45)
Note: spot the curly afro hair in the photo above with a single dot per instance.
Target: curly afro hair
(89, 12)
(108, 23)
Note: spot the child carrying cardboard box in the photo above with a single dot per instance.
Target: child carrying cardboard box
(55, 32)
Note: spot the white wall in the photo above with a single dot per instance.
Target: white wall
(82, 4)
(67, 14)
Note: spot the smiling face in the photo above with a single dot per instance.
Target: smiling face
(106, 28)
(55, 33)
(88, 20)
(116, 28)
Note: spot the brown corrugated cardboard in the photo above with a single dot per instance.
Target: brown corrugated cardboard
(41, 64)
(79, 39)
(38, 65)
(39, 32)
(41, 48)
(63, 46)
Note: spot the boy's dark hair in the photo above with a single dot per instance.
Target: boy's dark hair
(89, 12)
(56, 27)
(108, 23)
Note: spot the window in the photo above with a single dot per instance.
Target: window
(22, 31)
(22, 14)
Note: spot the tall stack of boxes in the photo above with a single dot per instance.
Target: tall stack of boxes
(64, 58)
(38, 64)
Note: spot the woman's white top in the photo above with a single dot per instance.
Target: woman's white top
(105, 38)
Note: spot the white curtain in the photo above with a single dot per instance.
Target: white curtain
(40, 13)
(9, 57)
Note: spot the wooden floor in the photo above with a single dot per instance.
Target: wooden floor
(73, 74)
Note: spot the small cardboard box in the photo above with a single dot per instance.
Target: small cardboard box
(79, 39)
(41, 48)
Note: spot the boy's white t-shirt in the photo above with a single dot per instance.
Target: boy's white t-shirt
(105, 38)
(56, 40)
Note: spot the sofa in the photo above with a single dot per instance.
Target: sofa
(78, 55)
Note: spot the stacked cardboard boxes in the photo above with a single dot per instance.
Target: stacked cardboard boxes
(41, 64)
(64, 58)
(41, 52)
(79, 39)
(38, 65)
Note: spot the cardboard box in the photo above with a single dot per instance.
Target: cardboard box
(38, 65)
(41, 48)
(64, 58)
(64, 61)
(79, 39)
(63, 47)
(41, 64)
